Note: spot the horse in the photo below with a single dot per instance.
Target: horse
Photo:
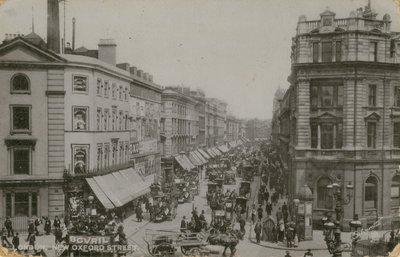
(228, 239)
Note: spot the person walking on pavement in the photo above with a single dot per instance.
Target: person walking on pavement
(31, 229)
(4, 240)
(288, 254)
(260, 212)
(47, 225)
(37, 224)
(308, 253)
(183, 225)
(285, 212)
(253, 214)
(257, 230)
(266, 196)
(15, 241)
(268, 208)
(57, 222)
(8, 225)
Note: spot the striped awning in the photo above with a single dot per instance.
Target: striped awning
(118, 188)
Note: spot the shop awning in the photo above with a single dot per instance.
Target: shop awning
(223, 148)
(211, 152)
(216, 151)
(194, 159)
(118, 188)
(188, 162)
(182, 163)
(198, 154)
(100, 194)
(204, 154)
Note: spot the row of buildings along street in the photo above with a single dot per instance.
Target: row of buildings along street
(76, 123)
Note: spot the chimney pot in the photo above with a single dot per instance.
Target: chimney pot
(150, 78)
(124, 66)
(146, 76)
(140, 73)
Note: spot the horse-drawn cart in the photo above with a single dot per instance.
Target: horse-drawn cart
(166, 243)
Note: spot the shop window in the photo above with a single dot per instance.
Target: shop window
(80, 118)
(20, 84)
(21, 160)
(371, 135)
(21, 119)
(79, 84)
(323, 199)
(395, 191)
(21, 204)
(371, 193)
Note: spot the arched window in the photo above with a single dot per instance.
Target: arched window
(323, 199)
(395, 191)
(371, 193)
(20, 84)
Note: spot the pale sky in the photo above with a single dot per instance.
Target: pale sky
(235, 50)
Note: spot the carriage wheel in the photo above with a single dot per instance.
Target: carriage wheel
(195, 252)
(163, 250)
(185, 250)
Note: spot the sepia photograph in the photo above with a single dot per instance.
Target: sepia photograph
(207, 128)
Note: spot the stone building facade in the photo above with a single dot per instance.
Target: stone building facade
(340, 117)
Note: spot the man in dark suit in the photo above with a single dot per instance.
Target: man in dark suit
(183, 225)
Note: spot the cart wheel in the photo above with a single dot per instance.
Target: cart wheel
(163, 250)
(195, 252)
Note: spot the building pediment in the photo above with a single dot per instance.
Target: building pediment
(326, 116)
(372, 117)
(21, 50)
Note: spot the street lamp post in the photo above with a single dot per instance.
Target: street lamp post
(332, 230)
(90, 199)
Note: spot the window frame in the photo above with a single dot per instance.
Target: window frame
(99, 87)
(371, 143)
(373, 52)
(396, 145)
(86, 108)
(396, 99)
(74, 91)
(327, 51)
(326, 201)
(338, 51)
(16, 131)
(369, 194)
(372, 95)
(12, 158)
(15, 91)
(77, 147)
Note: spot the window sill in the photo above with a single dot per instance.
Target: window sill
(80, 92)
(20, 92)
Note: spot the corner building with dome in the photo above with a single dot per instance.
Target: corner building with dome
(340, 117)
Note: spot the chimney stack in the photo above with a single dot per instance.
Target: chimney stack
(146, 76)
(124, 66)
(108, 51)
(53, 26)
(150, 78)
(140, 73)
(133, 70)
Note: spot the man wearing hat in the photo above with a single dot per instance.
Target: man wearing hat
(308, 253)
(183, 224)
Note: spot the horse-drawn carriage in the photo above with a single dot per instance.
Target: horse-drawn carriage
(230, 178)
(167, 243)
(245, 188)
(248, 172)
(241, 207)
(184, 195)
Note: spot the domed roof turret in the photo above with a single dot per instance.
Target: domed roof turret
(36, 40)
(386, 17)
